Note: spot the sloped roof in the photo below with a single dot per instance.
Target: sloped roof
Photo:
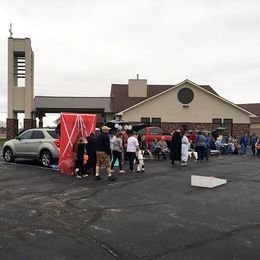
(254, 108)
(194, 84)
(53, 104)
(121, 100)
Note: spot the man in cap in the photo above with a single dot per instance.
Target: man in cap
(103, 152)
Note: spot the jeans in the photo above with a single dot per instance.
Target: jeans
(243, 149)
(254, 151)
(117, 155)
(132, 156)
(201, 152)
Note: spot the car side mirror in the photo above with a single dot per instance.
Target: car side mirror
(17, 138)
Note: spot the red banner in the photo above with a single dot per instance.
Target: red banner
(73, 126)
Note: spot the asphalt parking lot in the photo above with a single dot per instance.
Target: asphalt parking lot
(155, 215)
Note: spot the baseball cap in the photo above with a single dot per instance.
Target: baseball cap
(105, 128)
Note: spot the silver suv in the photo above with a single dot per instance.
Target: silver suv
(42, 144)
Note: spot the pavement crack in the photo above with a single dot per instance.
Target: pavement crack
(205, 241)
(112, 251)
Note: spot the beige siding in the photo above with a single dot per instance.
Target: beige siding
(15, 95)
(202, 109)
(255, 128)
(19, 100)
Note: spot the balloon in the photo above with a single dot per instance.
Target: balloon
(116, 125)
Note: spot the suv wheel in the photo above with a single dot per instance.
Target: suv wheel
(46, 158)
(8, 155)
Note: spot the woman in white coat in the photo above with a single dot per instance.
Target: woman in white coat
(185, 145)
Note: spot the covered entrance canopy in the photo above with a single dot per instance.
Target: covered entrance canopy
(101, 106)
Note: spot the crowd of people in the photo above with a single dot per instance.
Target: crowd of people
(105, 150)
(110, 150)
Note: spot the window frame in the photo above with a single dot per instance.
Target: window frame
(229, 126)
(146, 121)
(156, 121)
(216, 125)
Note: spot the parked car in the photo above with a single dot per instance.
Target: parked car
(152, 133)
(42, 144)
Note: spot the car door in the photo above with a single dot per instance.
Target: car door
(34, 142)
(21, 145)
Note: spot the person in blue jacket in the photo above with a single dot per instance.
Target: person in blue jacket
(244, 143)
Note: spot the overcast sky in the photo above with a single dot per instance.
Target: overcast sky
(82, 47)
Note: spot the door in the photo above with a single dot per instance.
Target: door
(21, 145)
(34, 143)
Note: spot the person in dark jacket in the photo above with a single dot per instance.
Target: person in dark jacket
(253, 142)
(91, 151)
(80, 151)
(103, 153)
(176, 147)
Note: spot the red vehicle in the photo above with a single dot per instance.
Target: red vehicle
(152, 133)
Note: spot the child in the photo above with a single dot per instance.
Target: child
(80, 151)
(140, 157)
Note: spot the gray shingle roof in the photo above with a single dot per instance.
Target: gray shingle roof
(65, 104)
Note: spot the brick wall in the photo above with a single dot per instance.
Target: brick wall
(11, 128)
(29, 123)
(169, 127)
(238, 129)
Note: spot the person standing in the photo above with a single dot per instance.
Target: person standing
(244, 143)
(80, 151)
(253, 142)
(192, 138)
(91, 151)
(103, 152)
(200, 143)
(176, 147)
(185, 144)
(132, 148)
(117, 151)
(208, 143)
(124, 139)
(257, 146)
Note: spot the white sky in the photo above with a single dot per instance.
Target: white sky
(82, 47)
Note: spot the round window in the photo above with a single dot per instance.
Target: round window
(185, 95)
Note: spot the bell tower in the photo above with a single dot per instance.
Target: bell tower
(20, 84)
